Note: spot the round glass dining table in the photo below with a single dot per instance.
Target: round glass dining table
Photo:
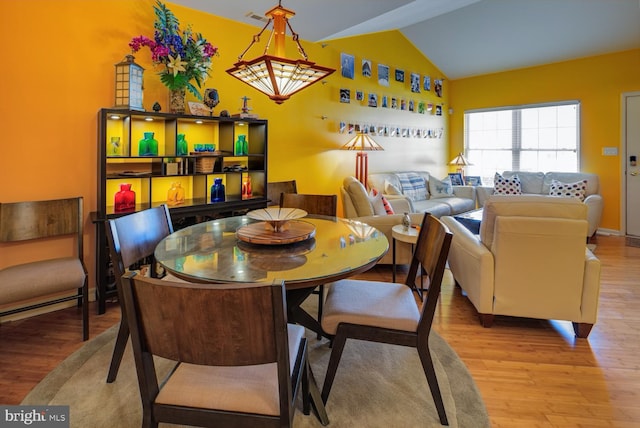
(211, 252)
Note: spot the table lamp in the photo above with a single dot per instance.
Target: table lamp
(460, 161)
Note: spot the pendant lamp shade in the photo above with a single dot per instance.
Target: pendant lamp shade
(276, 75)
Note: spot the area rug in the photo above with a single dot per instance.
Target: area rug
(376, 386)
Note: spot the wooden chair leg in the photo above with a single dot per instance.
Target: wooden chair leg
(320, 305)
(316, 399)
(432, 380)
(336, 353)
(85, 310)
(118, 350)
(486, 320)
(582, 329)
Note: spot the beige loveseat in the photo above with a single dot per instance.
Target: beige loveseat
(539, 183)
(461, 199)
(530, 260)
(357, 204)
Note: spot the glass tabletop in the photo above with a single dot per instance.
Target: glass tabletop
(212, 252)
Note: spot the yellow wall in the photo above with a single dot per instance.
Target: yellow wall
(597, 82)
(58, 72)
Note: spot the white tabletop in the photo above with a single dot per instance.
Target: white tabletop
(399, 233)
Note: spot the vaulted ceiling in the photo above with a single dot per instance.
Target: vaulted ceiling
(462, 37)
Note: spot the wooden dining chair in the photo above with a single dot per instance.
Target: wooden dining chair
(276, 188)
(312, 204)
(239, 364)
(131, 239)
(387, 312)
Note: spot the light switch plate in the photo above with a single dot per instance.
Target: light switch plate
(610, 151)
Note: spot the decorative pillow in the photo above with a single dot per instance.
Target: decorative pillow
(413, 186)
(376, 203)
(570, 190)
(387, 206)
(506, 186)
(391, 189)
(440, 188)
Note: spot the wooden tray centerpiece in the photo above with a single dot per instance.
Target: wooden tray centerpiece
(278, 226)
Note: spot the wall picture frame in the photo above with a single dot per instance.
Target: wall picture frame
(456, 179)
(472, 180)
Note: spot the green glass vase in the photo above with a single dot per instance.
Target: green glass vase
(183, 146)
(148, 146)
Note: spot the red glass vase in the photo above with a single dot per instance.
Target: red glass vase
(125, 199)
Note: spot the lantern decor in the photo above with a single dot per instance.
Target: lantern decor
(129, 84)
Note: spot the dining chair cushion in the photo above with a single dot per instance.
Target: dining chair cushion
(26, 281)
(373, 303)
(250, 389)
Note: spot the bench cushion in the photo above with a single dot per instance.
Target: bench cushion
(35, 279)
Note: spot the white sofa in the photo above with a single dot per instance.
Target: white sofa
(530, 260)
(539, 183)
(462, 200)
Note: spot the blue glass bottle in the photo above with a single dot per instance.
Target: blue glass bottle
(217, 191)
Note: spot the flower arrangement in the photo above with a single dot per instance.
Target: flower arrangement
(184, 56)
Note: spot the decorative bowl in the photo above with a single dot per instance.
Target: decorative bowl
(276, 217)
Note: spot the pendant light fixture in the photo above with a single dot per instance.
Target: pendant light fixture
(276, 75)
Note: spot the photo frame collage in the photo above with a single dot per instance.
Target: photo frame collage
(388, 130)
(418, 84)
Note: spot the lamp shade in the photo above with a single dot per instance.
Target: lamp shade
(362, 142)
(276, 75)
(460, 160)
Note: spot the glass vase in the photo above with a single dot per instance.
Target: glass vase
(148, 146)
(406, 221)
(241, 144)
(217, 191)
(183, 146)
(176, 100)
(246, 188)
(125, 199)
(114, 147)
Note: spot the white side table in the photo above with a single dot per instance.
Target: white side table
(398, 233)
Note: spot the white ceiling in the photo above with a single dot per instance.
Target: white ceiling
(462, 37)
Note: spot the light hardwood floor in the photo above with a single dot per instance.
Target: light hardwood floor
(531, 373)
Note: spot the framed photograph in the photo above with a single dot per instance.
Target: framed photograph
(383, 75)
(399, 75)
(366, 68)
(426, 83)
(373, 100)
(456, 178)
(345, 95)
(347, 65)
(359, 95)
(415, 82)
(472, 180)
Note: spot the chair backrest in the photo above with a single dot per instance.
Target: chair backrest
(21, 221)
(430, 254)
(134, 237)
(313, 204)
(208, 324)
(275, 188)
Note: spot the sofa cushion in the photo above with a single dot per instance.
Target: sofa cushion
(391, 189)
(440, 188)
(437, 207)
(359, 196)
(413, 186)
(459, 205)
(571, 190)
(530, 182)
(528, 206)
(506, 186)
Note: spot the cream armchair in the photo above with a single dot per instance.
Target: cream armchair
(530, 260)
(357, 205)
